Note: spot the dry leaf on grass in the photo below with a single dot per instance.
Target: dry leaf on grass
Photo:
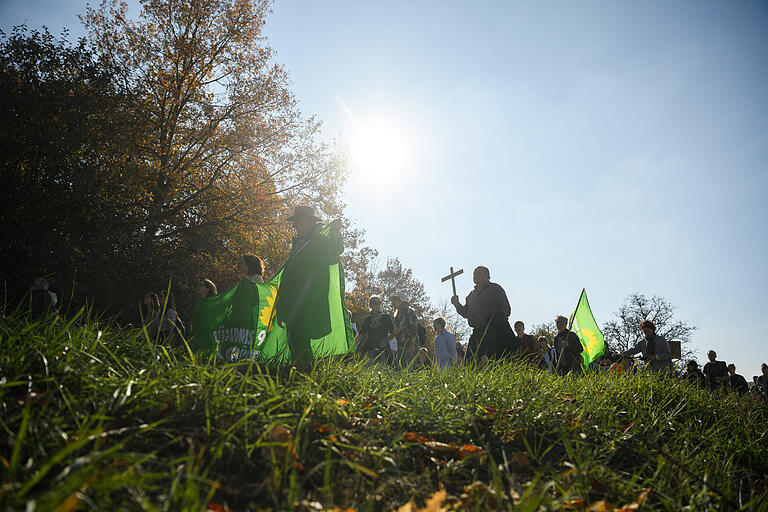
(216, 507)
(277, 453)
(468, 450)
(441, 447)
(434, 503)
(601, 506)
(520, 458)
(475, 494)
(72, 502)
(416, 438)
(576, 504)
(636, 505)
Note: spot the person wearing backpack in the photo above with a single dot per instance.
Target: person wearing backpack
(406, 330)
(372, 341)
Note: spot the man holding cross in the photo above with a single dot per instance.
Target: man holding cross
(487, 311)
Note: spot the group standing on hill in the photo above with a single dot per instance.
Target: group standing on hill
(398, 339)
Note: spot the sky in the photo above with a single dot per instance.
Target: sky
(615, 146)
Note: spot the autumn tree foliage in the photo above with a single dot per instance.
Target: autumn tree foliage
(227, 150)
(66, 170)
(369, 277)
(170, 144)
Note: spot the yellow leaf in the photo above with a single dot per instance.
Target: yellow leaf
(601, 506)
(636, 505)
(443, 447)
(434, 503)
(69, 504)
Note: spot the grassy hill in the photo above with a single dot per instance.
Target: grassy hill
(97, 418)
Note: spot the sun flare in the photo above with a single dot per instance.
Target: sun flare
(380, 150)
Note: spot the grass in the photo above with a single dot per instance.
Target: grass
(98, 418)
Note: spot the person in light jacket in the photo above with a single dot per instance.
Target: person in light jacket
(445, 345)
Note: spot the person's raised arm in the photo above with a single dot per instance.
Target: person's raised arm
(335, 236)
(460, 309)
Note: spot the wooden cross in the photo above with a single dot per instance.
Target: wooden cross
(451, 276)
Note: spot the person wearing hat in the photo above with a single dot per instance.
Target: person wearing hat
(654, 347)
(303, 300)
(406, 329)
(307, 225)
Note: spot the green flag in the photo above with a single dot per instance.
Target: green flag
(295, 317)
(584, 325)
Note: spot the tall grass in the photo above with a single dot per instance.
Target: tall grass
(94, 417)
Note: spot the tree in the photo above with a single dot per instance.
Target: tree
(368, 279)
(64, 187)
(624, 332)
(162, 149)
(546, 329)
(226, 153)
(394, 277)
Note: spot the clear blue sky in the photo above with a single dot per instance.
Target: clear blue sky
(617, 146)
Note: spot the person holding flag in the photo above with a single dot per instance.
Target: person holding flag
(294, 318)
(568, 348)
(582, 342)
(585, 326)
(303, 300)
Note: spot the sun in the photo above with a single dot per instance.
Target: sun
(381, 149)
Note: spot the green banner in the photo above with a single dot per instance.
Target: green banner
(584, 325)
(295, 317)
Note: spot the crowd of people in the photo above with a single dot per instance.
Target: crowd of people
(392, 340)
(399, 339)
